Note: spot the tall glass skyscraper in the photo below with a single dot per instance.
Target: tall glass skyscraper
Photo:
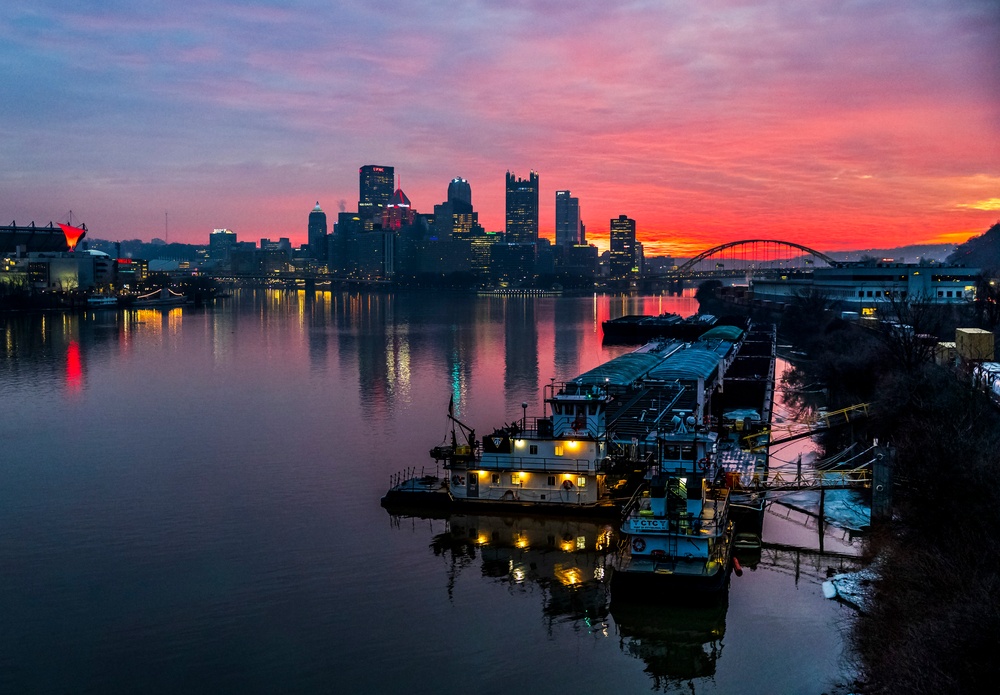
(317, 233)
(460, 190)
(569, 227)
(522, 209)
(623, 257)
(377, 184)
(455, 218)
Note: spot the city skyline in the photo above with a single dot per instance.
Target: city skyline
(839, 126)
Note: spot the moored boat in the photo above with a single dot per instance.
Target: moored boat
(607, 430)
(678, 532)
(102, 302)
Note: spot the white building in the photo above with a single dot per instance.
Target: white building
(860, 286)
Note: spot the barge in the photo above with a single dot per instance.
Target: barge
(639, 328)
(609, 431)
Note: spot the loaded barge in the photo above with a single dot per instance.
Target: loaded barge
(606, 435)
(638, 328)
(678, 531)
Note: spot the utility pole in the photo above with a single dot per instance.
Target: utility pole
(882, 483)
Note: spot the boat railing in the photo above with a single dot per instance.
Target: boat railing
(712, 521)
(633, 503)
(505, 462)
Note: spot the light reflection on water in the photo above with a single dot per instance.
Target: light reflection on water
(189, 500)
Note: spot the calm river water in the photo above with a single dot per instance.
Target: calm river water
(189, 502)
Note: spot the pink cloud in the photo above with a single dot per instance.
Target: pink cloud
(828, 122)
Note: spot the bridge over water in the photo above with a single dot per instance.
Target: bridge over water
(746, 258)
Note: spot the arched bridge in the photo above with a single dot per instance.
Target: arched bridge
(759, 253)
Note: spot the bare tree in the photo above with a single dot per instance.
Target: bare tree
(909, 328)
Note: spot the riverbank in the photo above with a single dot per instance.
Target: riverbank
(931, 606)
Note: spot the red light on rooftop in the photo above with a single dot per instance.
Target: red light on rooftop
(73, 235)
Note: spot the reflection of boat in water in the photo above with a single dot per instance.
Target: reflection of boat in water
(677, 642)
(566, 557)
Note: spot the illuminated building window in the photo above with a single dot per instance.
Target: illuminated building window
(581, 481)
(559, 450)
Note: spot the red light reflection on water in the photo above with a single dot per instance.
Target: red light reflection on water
(74, 368)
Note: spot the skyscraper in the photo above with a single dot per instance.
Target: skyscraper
(317, 233)
(569, 227)
(455, 218)
(460, 190)
(221, 242)
(398, 212)
(377, 184)
(623, 247)
(522, 209)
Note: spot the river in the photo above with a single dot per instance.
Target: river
(189, 502)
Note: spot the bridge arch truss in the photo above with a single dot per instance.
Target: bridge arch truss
(755, 255)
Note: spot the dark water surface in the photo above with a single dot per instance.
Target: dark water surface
(189, 502)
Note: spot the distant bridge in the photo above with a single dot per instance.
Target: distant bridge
(760, 253)
(749, 258)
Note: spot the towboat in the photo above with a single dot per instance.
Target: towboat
(678, 531)
(609, 430)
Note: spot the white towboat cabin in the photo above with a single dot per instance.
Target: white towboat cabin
(553, 460)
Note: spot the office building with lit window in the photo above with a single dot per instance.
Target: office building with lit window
(317, 234)
(623, 260)
(376, 184)
(522, 209)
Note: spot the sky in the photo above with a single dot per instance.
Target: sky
(837, 124)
